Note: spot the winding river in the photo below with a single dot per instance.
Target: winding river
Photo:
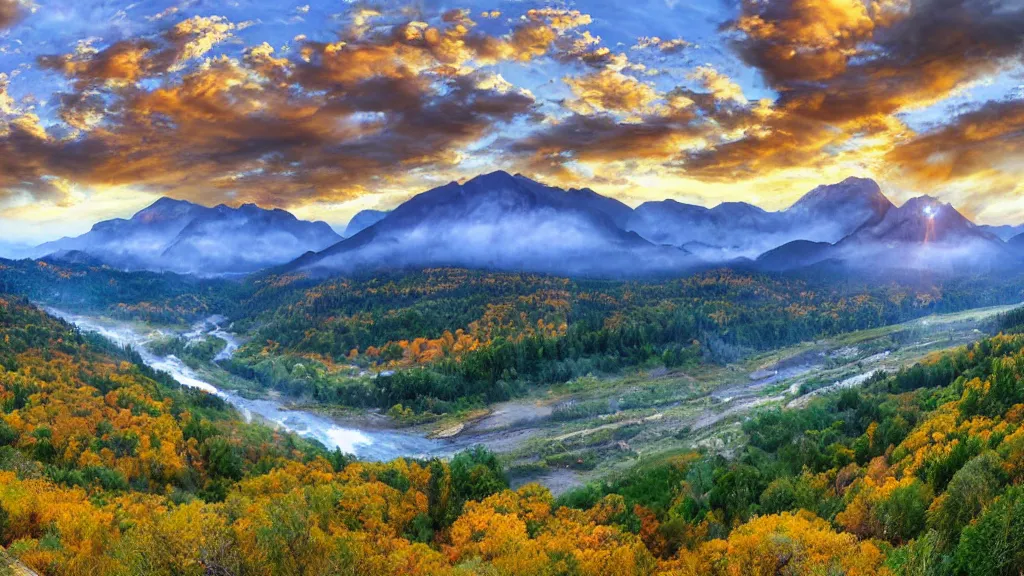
(365, 444)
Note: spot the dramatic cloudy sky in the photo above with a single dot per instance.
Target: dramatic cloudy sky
(334, 106)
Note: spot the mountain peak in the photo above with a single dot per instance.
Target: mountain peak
(167, 210)
(738, 208)
(850, 190)
(165, 201)
(924, 219)
(931, 208)
(924, 202)
(837, 210)
(858, 181)
(498, 177)
(363, 220)
(253, 208)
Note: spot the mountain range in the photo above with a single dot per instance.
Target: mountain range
(501, 221)
(740, 230)
(510, 222)
(922, 234)
(179, 236)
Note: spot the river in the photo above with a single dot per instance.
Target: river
(366, 444)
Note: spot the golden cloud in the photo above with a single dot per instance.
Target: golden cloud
(323, 124)
(602, 140)
(119, 64)
(127, 62)
(844, 68)
(559, 19)
(803, 39)
(718, 84)
(401, 92)
(8, 107)
(988, 139)
(196, 36)
(610, 90)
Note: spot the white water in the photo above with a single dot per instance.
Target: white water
(366, 444)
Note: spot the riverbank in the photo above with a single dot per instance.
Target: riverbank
(378, 444)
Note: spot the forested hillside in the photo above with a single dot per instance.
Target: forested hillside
(456, 337)
(164, 298)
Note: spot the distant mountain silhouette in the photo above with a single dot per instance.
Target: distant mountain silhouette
(1006, 232)
(180, 236)
(922, 234)
(618, 212)
(737, 229)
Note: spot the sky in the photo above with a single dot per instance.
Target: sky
(331, 107)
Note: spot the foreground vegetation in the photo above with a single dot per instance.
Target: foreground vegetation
(109, 468)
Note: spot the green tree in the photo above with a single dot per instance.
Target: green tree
(476, 474)
(992, 545)
(902, 515)
(972, 488)
(223, 458)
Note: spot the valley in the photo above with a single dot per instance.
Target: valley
(565, 435)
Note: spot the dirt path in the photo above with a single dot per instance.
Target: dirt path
(611, 426)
